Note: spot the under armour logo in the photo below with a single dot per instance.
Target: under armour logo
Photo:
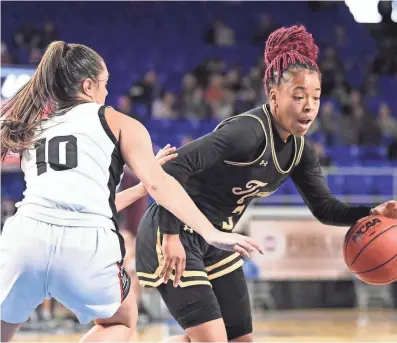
(188, 229)
(263, 163)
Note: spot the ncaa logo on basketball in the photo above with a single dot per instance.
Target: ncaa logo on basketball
(362, 230)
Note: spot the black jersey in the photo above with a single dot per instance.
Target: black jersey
(244, 158)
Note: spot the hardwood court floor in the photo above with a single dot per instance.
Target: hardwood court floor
(287, 326)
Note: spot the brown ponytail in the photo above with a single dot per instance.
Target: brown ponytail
(56, 83)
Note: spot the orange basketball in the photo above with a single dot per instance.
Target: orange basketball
(370, 250)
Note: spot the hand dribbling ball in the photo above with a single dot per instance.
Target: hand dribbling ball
(370, 250)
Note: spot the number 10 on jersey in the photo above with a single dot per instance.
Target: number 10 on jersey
(52, 148)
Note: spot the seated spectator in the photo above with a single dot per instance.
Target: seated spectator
(224, 108)
(6, 58)
(349, 130)
(328, 123)
(386, 121)
(24, 35)
(35, 56)
(145, 91)
(215, 90)
(164, 108)
(354, 104)
(185, 98)
(220, 34)
(233, 80)
(329, 65)
(195, 108)
(48, 34)
(369, 132)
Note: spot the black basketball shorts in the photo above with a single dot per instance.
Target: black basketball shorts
(212, 287)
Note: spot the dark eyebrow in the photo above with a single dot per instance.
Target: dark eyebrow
(304, 88)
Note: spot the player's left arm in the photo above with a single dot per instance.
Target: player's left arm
(127, 197)
(311, 184)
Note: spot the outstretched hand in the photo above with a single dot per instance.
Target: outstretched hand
(233, 242)
(166, 154)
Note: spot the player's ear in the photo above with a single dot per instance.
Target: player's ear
(273, 97)
(89, 87)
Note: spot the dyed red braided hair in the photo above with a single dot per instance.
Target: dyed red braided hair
(287, 47)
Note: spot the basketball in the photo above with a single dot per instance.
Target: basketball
(370, 250)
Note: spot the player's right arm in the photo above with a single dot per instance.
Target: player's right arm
(310, 182)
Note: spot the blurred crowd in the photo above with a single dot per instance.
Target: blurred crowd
(29, 43)
(216, 90)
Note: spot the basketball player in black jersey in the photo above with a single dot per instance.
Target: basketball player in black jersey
(246, 156)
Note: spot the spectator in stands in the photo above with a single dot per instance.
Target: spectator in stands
(189, 84)
(233, 80)
(201, 73)
(215, 90)
(164, 108)
(370, 88)
(35, 56)
(328, 123)
(48, 34)
(224, 108)
(24, 36)
(348, 130)
(369, 132)
(195, 108)
(330, 65)
(256, 79)
(265, 28)
(386, 61)
(220, 34)
(207, 68)
(386, 121)
(146, 91)
(354, 104)
(342, 89)
(6, 58)
(185, 98)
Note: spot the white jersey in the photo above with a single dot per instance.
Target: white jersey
(72, 173)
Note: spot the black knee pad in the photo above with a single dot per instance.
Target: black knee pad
(233, 298)
(238, 322)
(190, 306)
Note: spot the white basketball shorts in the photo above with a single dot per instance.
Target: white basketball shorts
(78, 266)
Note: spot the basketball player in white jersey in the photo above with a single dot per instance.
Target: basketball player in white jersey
(63, 240)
